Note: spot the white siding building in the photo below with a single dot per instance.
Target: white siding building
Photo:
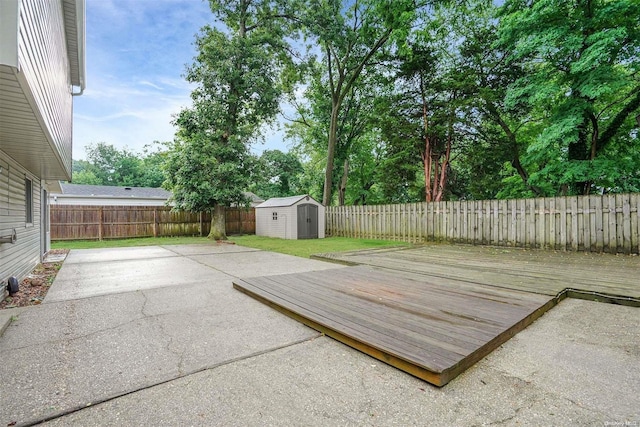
(41, 68)
(105, 195)
(295, 217)
(108, 195)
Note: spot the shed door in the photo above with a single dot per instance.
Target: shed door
(307, 221)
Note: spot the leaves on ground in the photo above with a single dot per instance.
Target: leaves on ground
(35, 286)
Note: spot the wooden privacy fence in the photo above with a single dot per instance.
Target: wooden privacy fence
(608, 223)
(116, 222)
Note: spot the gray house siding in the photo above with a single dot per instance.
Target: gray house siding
(41, 65)
(38, 72)
(42, 53)
(19, 258)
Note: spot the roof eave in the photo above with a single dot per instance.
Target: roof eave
(75, 30)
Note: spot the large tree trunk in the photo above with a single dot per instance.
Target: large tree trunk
(343, 183)
(331, 149)
(442, 181)
(218, 226)
(345, 79)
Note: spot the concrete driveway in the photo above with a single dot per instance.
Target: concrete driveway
(158, 336)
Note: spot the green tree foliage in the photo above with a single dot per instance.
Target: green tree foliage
(311, 126)
(581, 80)
(82, 173)
(422, 119)
(277, 174)
(407, 101)
(349, 36)
(108, 165)
(478, 70)
(239, 78)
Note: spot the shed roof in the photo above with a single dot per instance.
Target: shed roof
(112, 191)
(278, 202)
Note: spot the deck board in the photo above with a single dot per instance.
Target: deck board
(537, 271)
(435, 310)
(429, 327)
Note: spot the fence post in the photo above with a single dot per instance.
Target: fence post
(101, 218)
(200, 220)
(155, 222)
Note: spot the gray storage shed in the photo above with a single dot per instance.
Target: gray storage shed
(295, 217)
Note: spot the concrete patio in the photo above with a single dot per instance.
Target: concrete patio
(158, 336)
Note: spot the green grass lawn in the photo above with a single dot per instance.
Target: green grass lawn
(123, 243)
(305, 248)
(301, 248)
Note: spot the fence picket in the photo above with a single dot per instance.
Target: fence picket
(608, 223)
(69, 222)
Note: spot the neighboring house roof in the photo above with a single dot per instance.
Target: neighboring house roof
(112, 191)
(255, 199)
(109, 191)
(279, 202)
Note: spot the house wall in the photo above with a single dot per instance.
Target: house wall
(44, 63)
(17, 259)
(36, 84)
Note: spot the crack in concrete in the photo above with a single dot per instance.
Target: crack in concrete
(111, 328)
(144, 303)
(210, 253)
(123, 260)
(75, 338)
(114, 396)
(209, 266)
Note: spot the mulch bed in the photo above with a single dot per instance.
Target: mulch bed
(35, 286)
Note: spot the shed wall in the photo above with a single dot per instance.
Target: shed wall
(284, 227)
(18, 259)
(321, 221)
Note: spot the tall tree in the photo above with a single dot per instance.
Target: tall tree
(424, 103)
(349, 37)
(478, 69)
(311, 125)
(238, 72)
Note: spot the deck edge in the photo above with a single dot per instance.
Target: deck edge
(479, 354)
(427, 375)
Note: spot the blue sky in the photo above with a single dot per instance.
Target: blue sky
(136, 55)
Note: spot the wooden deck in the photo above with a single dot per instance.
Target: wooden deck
(606, 277)
(433, 329)
(435, 310)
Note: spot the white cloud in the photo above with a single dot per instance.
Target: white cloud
(148, 83)
(136, 56)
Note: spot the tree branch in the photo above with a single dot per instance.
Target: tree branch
(618, 120)
(356, 73)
